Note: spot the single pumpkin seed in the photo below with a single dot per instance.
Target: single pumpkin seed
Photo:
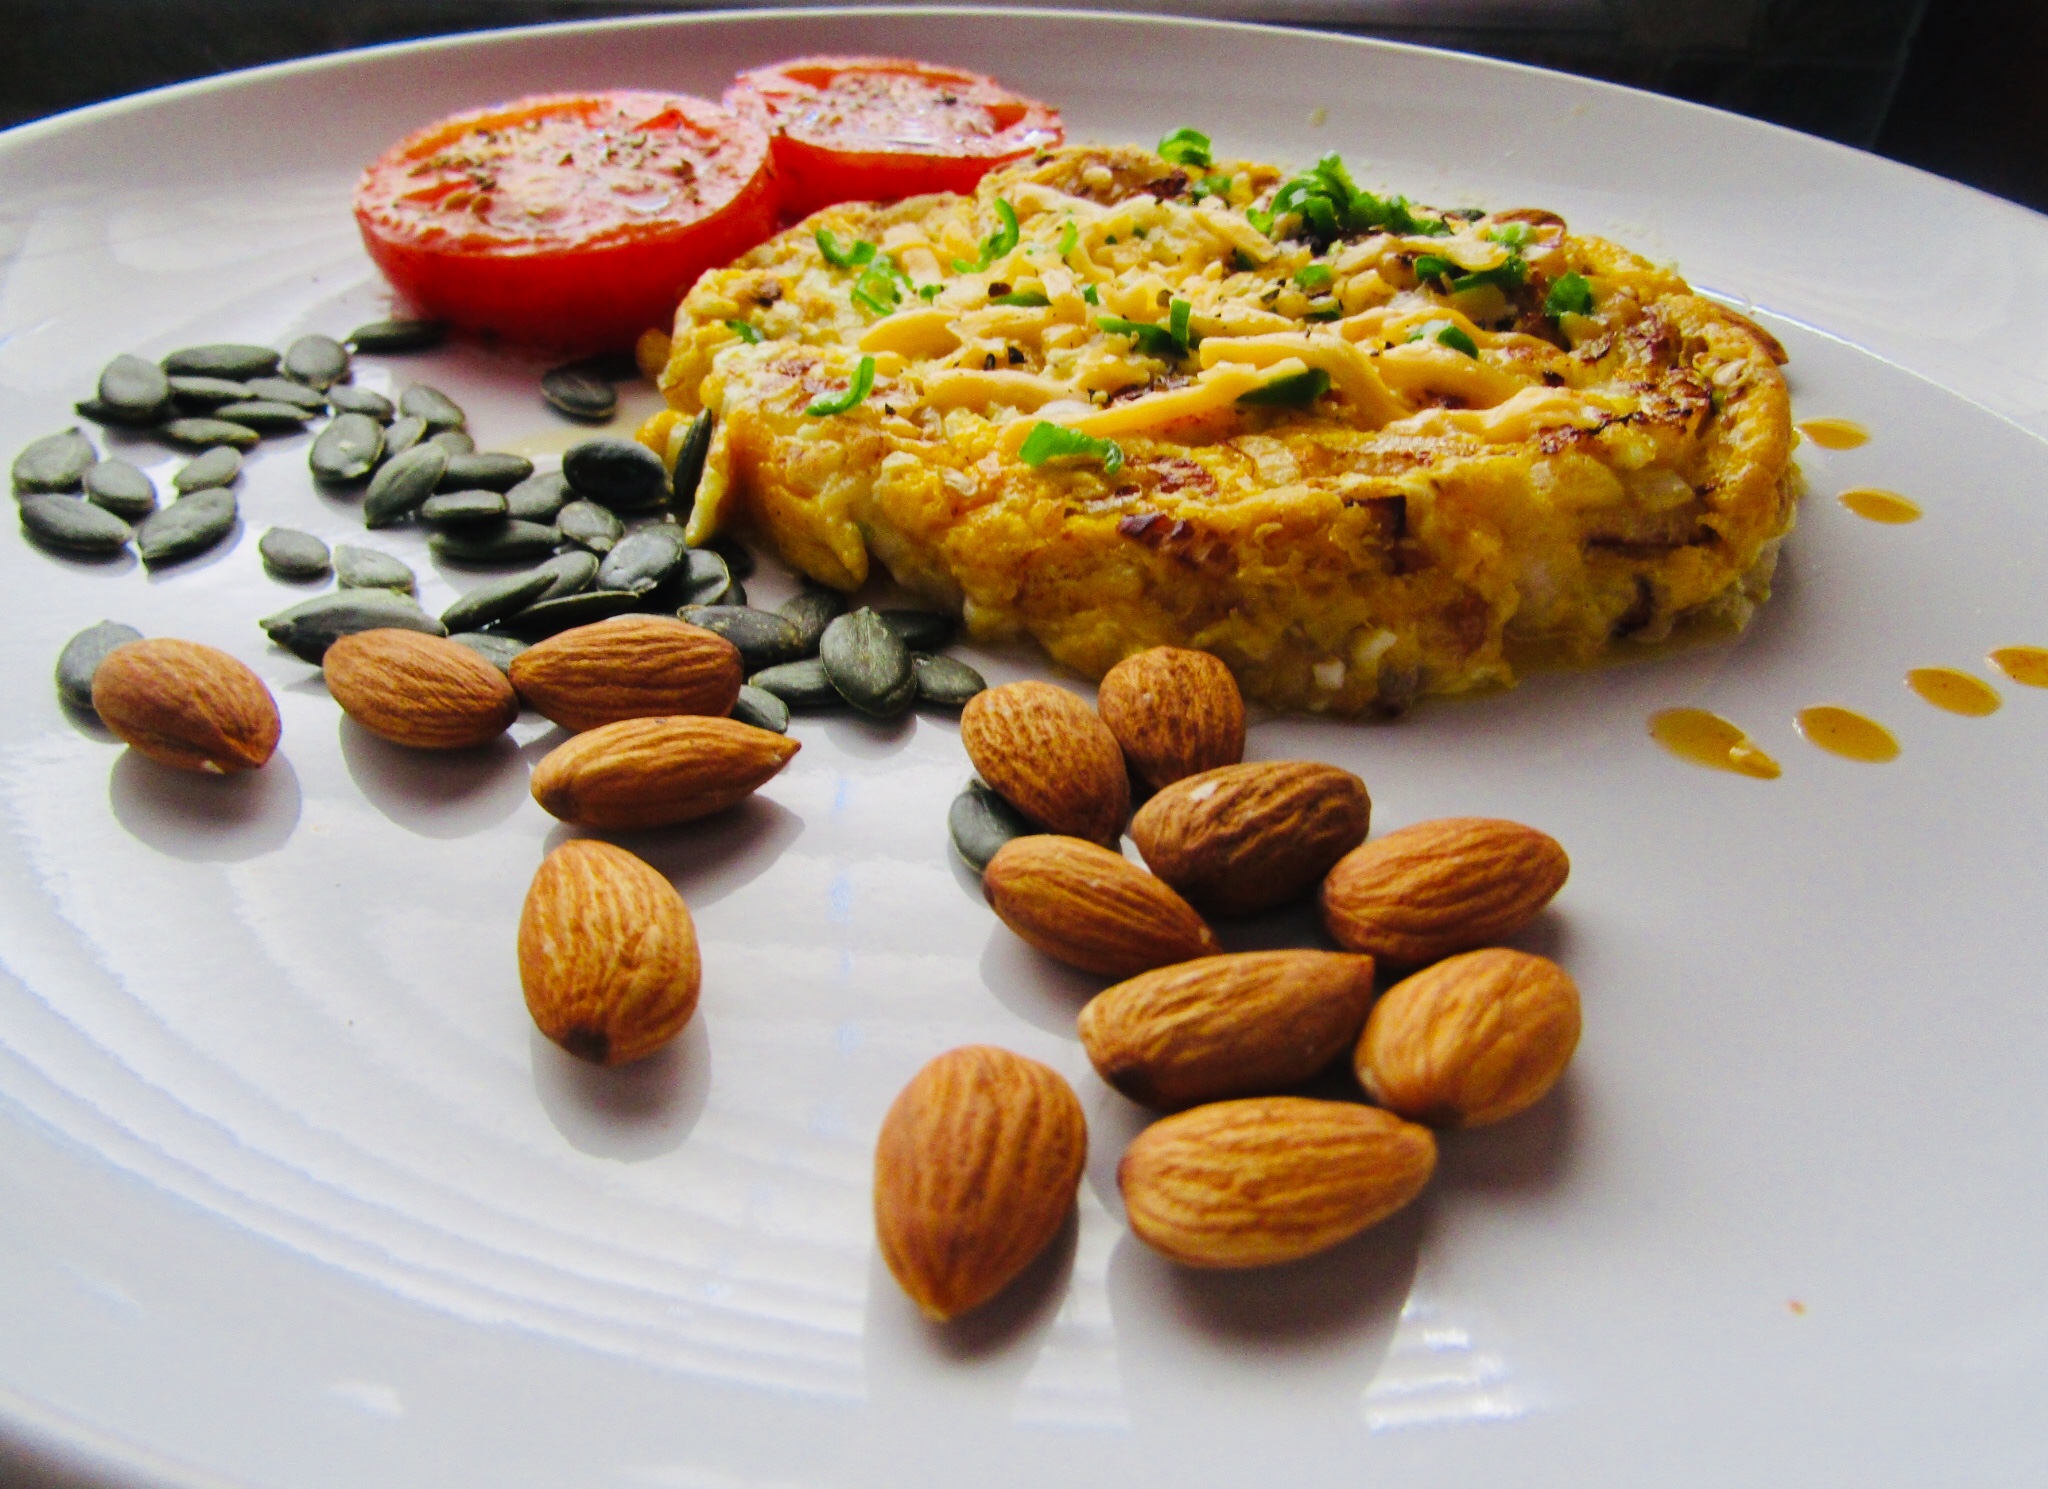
(799, 684)
(920, 630)
(869, 664)
(462, 508)
(284, 390)
(437, 408)
(538, 498)
(123, 489)
(348, 449)
(578, 393)
(366, 568)
(497, 650)
(495, 599)
(764, 638)
(81, 658)
(135, 386)
(454, 441)
(762, 709)
(641, 560)
(703, 579)
(573, 572)
(217, 467)
(103, 413)
(587, 524)
(67, 523)
(205, 433)
(810, 610)
(507, 542)
(207, 392)
(236, 361)
(739, 558)
(690, 455)
(347, 398)
(403, 435)
(619, 473)
(317, 361)
(401, 485)
(551, 617)
(291, 554)
(398, 336)
(308, 628)
(266, 415)
(485, 471)
(188, 526)
(979, 822)
(56, 462)
(945, 682)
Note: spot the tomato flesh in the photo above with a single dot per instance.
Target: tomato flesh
(851, 129)
(573, 221)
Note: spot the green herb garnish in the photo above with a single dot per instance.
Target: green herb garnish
(1296, 390)
(1178, 314)
(745, 332)
(1218, 185)
(1029, 299)
(1313, 277)
(1571, 295)
(1153, 341)
(1330, 205)
(1511, 234)
(1052, 442)
(1511, 274)
(863, 384)
(1446, 333)
(1186, 147)
(1088, 294)
(1433, 266)
(931, 292)
(997, 244)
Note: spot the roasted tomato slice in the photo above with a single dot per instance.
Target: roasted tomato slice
(573, 221)
(874, 129)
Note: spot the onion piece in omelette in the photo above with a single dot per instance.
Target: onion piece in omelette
(1360, 465)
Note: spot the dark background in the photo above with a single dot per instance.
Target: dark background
(1959, 87)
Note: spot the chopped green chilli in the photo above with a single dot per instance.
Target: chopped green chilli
(1026, 299)
(1153, 341)
(1510, 274)
(1314, 277)
(1070, 238)
(843, 258)
(879, 290)
(1325, 313)
(1088, 293)
(1186, 147)
(1178, 315)
(863, 383)
(744, 331)
(1296, 390)
(997, 244)
(1052, 442)
(1432, 266)
(1217, 185)
(1511, 234)
(930, 292)
(1446, 333)
(1571, 295)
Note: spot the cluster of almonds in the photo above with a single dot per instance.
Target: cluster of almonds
(980, 1156)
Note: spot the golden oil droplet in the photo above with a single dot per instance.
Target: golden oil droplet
(1880, 506)
(2025, 665)
(1708, 739)
(1958, 692)
(1835, 434)
(1844, 732)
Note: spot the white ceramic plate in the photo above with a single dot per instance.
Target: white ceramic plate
(295, 1196)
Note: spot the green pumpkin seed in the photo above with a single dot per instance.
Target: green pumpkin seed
(920, 630)
(347, 398)
(538, 498)
(573, 573)
(551, 617)
(236, 361)
(739, 558)
(347, 450)
(641, 560)
(123, 489)
(188, 526)
(762, 709)
(810, 610)
(979, 822)
(366, 568)
(207, 392)
(383, 337)
(401, 485)
(265, 415)
(497, 650)
(505, 543)
(284, 390)
(704, 580)
(403, 435)
(764, 638)
(217, 467)
(488, 471)
(869, 664)
(619, 473)
(463, 509)
(136, 387)
(495, 599)
(291, 554)
(317, 361)
(204, 434)
(56, 462)
(72, 525)
(454, 441)
(945, 682)
(591, 526)
(308, 628)
(437, 408)
(81, 658)
(799, 684)
(579, 393)
(690, 462)
(103, 413)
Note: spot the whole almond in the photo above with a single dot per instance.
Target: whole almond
(975, 1171)
(186, 705)
(607, 953)
(1269, 1179)
(1471, 1040)
(1245, 838)
(1088, 907)
(1046, 753)
(629, 667)
(1441, 887)
(419, 690)
(1246, 1024)
(656, 772)
(1175, 712)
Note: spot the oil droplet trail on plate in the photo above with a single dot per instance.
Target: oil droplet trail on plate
(2025, 665)
(1880, 506)
(1708, 739)
(1958, 692)
(1845, 732)
(1835, 434)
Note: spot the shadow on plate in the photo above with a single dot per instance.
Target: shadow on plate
(712, 857)
(203, 818)
(630, 1113)
(1044, 993)
(435, 793)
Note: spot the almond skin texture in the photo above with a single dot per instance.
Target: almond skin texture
(1090, 908)
(629, 667)
(1046, 753)
(1246, 1024)
(975, 1172)
(1270, 1179)
(1246, 838)
(423, 691)
(1175, 712)
(1471, 1040)
(187, 705)
(607, 954)
(656, 772)
(1441, 887)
